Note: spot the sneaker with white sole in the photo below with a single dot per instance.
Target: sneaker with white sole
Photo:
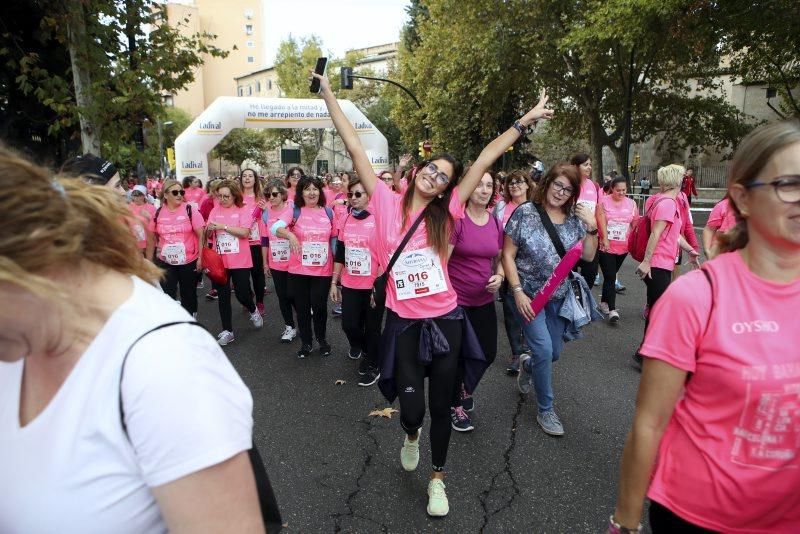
(512, 365)
(550, 423)
(409, 454)
(613, 316)
(524, 376)
(289, 333)
(460, 420)
(354, 354)
(225, 337)
(437, 499)
(256, 319)
(603, 308)
(618, 287)
(370, 377)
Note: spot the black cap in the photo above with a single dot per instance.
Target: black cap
(98, 169)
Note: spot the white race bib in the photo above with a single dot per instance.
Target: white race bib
(254, 233)
(279, 250)
(227, 243)
(617, 231)
(138, 232)
(358, 261)
(174, 253)
(314, 254)
(418, 273)
(591, 204)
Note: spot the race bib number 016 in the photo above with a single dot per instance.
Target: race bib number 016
(227, 243)
(358, 261)
(314, 254)
(174, 253)
(418, 273)
(279, 249)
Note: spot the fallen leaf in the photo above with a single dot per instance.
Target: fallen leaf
(340, 383)
(386, 412)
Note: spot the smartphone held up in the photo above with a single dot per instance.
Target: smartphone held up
(322, 63)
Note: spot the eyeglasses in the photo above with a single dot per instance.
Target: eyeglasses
(177, 192)
(387, 178)
(787, 188)
(275, 194)
(225, 197)
(357, 194)
(512, 183)
(296, 175)
(562, 189)
(434, 171)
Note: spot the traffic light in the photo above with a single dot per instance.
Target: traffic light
(347, 78)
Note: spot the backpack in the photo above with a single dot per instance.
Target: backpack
(640, 235)
(188, 214)
(296, 214)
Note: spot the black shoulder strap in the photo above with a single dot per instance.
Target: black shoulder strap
(155, 217)
(711, 309)
(125, 358)
(189, 212)
(551, 230)
(405, 240)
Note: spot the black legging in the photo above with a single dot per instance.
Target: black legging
(442, 376)
(657, 283)
(310, 293)
(241, 286)
(362, 323)
(281, 281)
(663, 520)
(257, 273)
(184, 276)
(610, 264)
(588, 270)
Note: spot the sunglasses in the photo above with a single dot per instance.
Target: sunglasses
(177, 192)
(357, 194)
(275, 194)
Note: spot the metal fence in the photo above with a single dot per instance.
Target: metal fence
(705, 175)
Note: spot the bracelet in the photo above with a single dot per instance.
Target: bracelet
(517, 288)
(616, 528)
(523, 130)
(592, 232)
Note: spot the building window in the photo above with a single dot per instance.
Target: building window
(269, 85)
(248, 14)
(249, 90)
(258, 87)
(251, 59)
(251, 44)
(241, 91)
(248, 29)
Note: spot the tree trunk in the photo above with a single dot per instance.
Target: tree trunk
(596, 138)
(79, 58)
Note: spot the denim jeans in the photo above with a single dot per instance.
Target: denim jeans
(513, 325)
(545, 337)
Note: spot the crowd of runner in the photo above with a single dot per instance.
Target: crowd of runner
(414, 260)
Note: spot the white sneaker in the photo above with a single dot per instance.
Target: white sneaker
(225, 337)
(603, 307)
(409, 454)
(289, 333)
(613, 316)
(437, 499)
(256, 319)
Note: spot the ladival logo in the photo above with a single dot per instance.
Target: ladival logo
(378, 160)
(191, 164)
(363, 126)
(210, 127)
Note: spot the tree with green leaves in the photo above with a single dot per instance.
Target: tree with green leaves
(243, 144)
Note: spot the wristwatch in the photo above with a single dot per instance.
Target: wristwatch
(592, 232)
(523, 130)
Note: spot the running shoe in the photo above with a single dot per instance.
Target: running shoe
(613, 317)
(225, 337)
(467, 400)
(409, 454)
(304, 351)
(550, 423)
(512, 365)
(460, 420)
(524, 376)
(337, 310)
(437, 499)
(369, 377)
(256, 319)
(603, 308)
(324, 348)
(363, 366)
(618, 287)
(260, 308)
(212, 295)
(289, 333)
(597, 279)
(354, 354)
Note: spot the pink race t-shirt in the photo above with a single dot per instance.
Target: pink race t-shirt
(589, 195)
(508, 211)
(235, 251)
(314, 231)
(279, 250)
(143, 215)
(360, 256)
(176, 234)
(667, 247)
(418, 286)
(257, 229)
(722, 218)
(619, 216)
(729, 459)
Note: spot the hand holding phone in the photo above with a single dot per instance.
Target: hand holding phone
(322, 64)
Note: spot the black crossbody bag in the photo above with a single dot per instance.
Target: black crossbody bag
(270, 513)
(559, 246)
(379, 285)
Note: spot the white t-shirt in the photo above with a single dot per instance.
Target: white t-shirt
(72, 469)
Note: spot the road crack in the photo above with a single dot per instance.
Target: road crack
(506, 471)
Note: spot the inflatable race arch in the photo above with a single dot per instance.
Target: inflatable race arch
(229, 112)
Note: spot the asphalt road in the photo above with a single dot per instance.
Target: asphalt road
(335, 468)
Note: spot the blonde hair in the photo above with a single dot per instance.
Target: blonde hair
(670, 177)
(61, 222)
(165, 187)
(753, 154)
